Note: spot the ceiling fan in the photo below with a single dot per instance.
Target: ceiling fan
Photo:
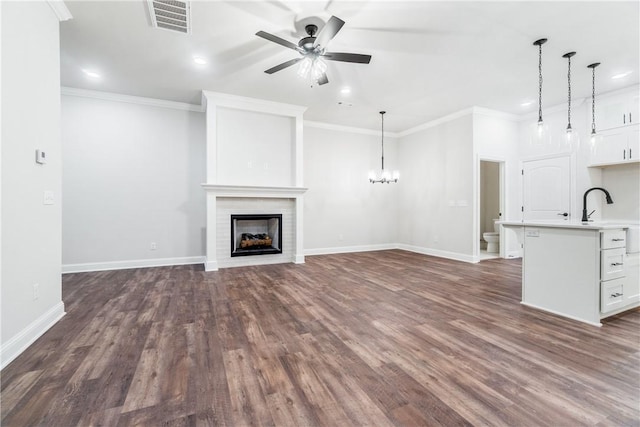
(313, 50)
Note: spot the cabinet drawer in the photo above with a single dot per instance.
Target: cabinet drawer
(612, 263)
(612, 295)
(613, 239)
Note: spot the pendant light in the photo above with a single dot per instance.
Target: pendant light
(540, 136)
(572, 140)
(385, 176)
(594, 135)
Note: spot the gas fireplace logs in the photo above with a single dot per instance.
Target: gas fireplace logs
(249, 240)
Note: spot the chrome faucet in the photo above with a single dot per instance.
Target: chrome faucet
(585, 217)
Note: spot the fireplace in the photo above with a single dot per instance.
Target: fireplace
(256, 234)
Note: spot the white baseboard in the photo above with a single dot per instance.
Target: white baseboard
(23, 339)
(139, 263)
(210, 265)
(349, 249)
(557, 313)
(438, 253)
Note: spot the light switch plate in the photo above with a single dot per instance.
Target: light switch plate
(47, 198)
(41, 157)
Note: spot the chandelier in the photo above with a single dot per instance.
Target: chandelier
(384, 177)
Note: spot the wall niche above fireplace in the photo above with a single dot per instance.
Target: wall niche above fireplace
(256, 234)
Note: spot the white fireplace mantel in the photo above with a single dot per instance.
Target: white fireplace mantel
(250, 191)
(217, 193)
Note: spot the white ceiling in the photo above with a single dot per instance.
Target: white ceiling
(430, 58)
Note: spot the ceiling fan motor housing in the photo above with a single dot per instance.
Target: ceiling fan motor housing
(307, 42)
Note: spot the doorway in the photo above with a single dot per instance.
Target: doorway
(491, 206)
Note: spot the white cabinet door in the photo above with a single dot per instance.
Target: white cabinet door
(610, 148)
(612, 111)
(620, 145)
(633, 142)
(547, 188)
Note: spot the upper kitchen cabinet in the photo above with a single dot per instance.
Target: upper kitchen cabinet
(617, 121)
(616, 146)
(617, 110)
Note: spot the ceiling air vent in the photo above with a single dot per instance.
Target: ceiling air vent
(170, 15)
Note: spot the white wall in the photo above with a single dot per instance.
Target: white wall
(254, 148)
(343, 211)
(31, 231)
(623, 183)
(437, 192)
(496, 137)
(131, 176)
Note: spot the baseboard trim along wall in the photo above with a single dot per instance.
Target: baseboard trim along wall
(139, 263)
(19, 342)
(349, 249)
(439, 253)
(213, 266)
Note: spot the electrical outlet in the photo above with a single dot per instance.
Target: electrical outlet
(36, 291)
(154, 246)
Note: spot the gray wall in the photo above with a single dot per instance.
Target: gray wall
(131, 177)
(31, 232)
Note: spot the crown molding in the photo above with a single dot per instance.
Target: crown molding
(436, 122)
(495, 113)
(551, 110)
(349, 129)
(60, 9)
(251, 104)
(117, 97)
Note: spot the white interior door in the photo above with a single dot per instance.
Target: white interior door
(547, 189)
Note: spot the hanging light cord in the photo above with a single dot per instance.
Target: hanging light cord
(569, 94)
(382, 115)
(540, 82)
(593, 100)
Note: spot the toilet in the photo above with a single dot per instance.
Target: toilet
(493, 238)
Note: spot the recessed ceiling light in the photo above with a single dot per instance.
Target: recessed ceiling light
(621, 75)
(345, 90)
(526, 104)
(199, 60)
(91, 74)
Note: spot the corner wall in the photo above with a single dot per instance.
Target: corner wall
(31, 294)
(436, 198)
(132, 174)
(344, 212)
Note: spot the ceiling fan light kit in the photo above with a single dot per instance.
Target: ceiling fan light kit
(313, 51)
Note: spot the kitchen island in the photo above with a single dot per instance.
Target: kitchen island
(583, 271)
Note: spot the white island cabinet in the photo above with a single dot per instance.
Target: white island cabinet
(577, 270)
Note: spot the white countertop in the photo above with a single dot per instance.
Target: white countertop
(593, 225)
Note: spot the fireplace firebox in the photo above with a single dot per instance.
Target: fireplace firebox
(256, 234)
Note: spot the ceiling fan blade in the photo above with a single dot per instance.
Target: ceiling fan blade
(323, 79)
(329, 31)
(278, 40)
(347, 57)
(283, 65)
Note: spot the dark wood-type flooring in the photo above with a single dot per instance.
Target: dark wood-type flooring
(379, 338)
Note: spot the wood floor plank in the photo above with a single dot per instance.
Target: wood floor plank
(376, 338)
